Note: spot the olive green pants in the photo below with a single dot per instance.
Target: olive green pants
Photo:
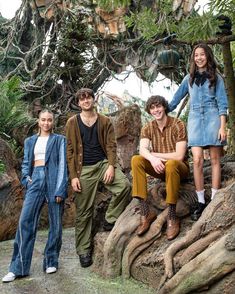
(90, 178)
(175, 171)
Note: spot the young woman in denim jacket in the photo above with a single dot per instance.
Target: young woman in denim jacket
(206, 120)
(44, 175)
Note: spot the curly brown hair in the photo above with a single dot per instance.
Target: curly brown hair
(157, 100)
(84, 92)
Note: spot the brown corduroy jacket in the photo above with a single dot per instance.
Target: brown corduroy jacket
(106, 138)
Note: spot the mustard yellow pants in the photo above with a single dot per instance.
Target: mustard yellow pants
(175, 171)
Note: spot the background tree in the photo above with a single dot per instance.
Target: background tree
(55, 47)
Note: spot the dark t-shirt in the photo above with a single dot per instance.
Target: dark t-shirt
(92, 150)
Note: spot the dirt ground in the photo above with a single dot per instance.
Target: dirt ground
(69, 279)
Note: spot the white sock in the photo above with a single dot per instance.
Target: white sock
(201, 196)
(213, 192)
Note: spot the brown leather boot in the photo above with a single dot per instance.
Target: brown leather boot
(145, 222)
(173, 228)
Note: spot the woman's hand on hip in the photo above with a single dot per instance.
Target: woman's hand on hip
(58, 199)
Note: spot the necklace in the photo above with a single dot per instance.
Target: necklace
(89, 121)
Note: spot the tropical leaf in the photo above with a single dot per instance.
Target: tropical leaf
(111, 5)
(13, 111)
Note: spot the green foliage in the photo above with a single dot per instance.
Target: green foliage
(225, 7)
(150, 23)
(144, 22)
(198, 27)
(13, 111)
(2, 167)
(74, 49)
(111, 5)
(233, 53)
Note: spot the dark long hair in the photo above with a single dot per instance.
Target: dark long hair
(211, 65)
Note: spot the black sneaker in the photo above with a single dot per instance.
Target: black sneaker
(108, 226)
(197, 210)
(85, 259)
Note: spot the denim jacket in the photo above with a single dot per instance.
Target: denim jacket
(202, 96)
(55, 165)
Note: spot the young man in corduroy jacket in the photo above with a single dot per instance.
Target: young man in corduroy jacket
(91, 156)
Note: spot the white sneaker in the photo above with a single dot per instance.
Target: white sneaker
(51, 270)
(9, 277)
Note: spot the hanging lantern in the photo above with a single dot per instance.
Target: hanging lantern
(168, 58)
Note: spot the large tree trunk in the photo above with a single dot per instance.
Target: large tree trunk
(230, 85)
(127, 125)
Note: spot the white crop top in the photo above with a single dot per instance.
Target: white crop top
(40, 148)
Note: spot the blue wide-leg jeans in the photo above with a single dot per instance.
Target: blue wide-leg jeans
(35, 197)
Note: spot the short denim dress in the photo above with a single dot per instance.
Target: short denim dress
(206, 105)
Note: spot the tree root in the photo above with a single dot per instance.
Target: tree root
(118, 238)
(190, 237)
(208, 267)
(197, 247)
(214, 220)
(138, 244)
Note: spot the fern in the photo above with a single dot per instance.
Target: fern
(13, 111)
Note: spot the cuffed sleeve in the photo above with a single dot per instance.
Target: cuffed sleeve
(146, 131)
(221, 96)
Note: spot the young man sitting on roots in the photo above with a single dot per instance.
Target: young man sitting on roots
(163, 148)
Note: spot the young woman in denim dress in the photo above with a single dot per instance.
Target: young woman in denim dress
(44, 175)
(206, 120)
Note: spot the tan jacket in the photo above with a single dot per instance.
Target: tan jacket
(106, 138)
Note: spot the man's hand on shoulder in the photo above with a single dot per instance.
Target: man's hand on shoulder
(76, 185)
(109, 175)
(158, 165)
